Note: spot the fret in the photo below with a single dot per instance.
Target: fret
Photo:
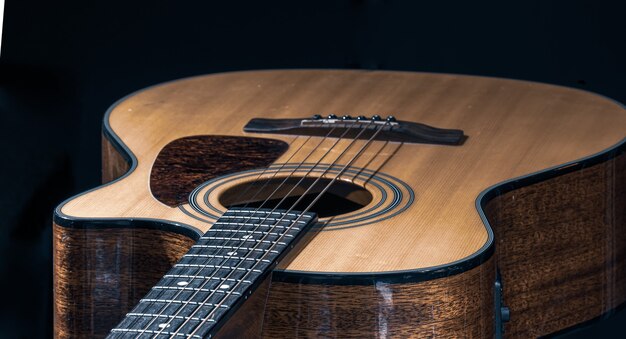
(192, 296)
(162, 323)
(220, 273)
(138, 331)
(201, 273)
(164, 316)
(216, 263)
(198, 284)
(199, 327)
(133, 321)
(225, 257)
(215, 290)
(225, 264)
(270, 219)
(261, 223)
(175, 301)
(185, 308)
(236, 224)
(283, 224)
(167, 294)
(250, 232)
(190, 316)
(205, 277)
(229, 248)
(234, 250)
(249, 239)
(248, 213)
(242, 240)
(148, 321)
(264, 246)
(221, 267)
(234, 253)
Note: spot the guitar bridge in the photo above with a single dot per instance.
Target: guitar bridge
(350, 128)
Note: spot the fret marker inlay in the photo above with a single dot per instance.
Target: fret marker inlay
(223, 268)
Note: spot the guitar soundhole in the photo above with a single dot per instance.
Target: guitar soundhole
(342, 197)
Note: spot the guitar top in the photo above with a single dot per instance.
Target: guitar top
(513, 129)
(322, 203)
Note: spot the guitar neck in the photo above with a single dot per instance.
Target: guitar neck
(207, 286)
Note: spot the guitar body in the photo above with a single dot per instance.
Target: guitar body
(534, 197)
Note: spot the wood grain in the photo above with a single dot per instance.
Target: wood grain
(248, 321)
(514, 128)
(100, 274)
(114, 165)
(561, 248)
(185, 163)
(450, 307)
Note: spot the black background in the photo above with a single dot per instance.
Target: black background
(63, 63)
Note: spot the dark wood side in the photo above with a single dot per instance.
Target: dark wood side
(100, 274)
(456, 306)
(185, 163)
(247, 322)
(561, 248)
(114, 165)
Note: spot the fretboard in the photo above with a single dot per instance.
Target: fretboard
(219, 272)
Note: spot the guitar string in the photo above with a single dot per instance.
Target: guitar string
(273, 244)
(259, 242)
(280, 168)
(258, 177)
(217, 268)
(221, 265)
(208, 279)
(356, 156)
(283, 199)
(243, 192)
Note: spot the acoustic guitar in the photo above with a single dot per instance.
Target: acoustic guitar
(347, 204)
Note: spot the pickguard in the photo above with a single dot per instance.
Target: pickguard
(185, 163)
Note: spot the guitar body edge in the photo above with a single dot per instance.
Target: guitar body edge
(559, 268)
